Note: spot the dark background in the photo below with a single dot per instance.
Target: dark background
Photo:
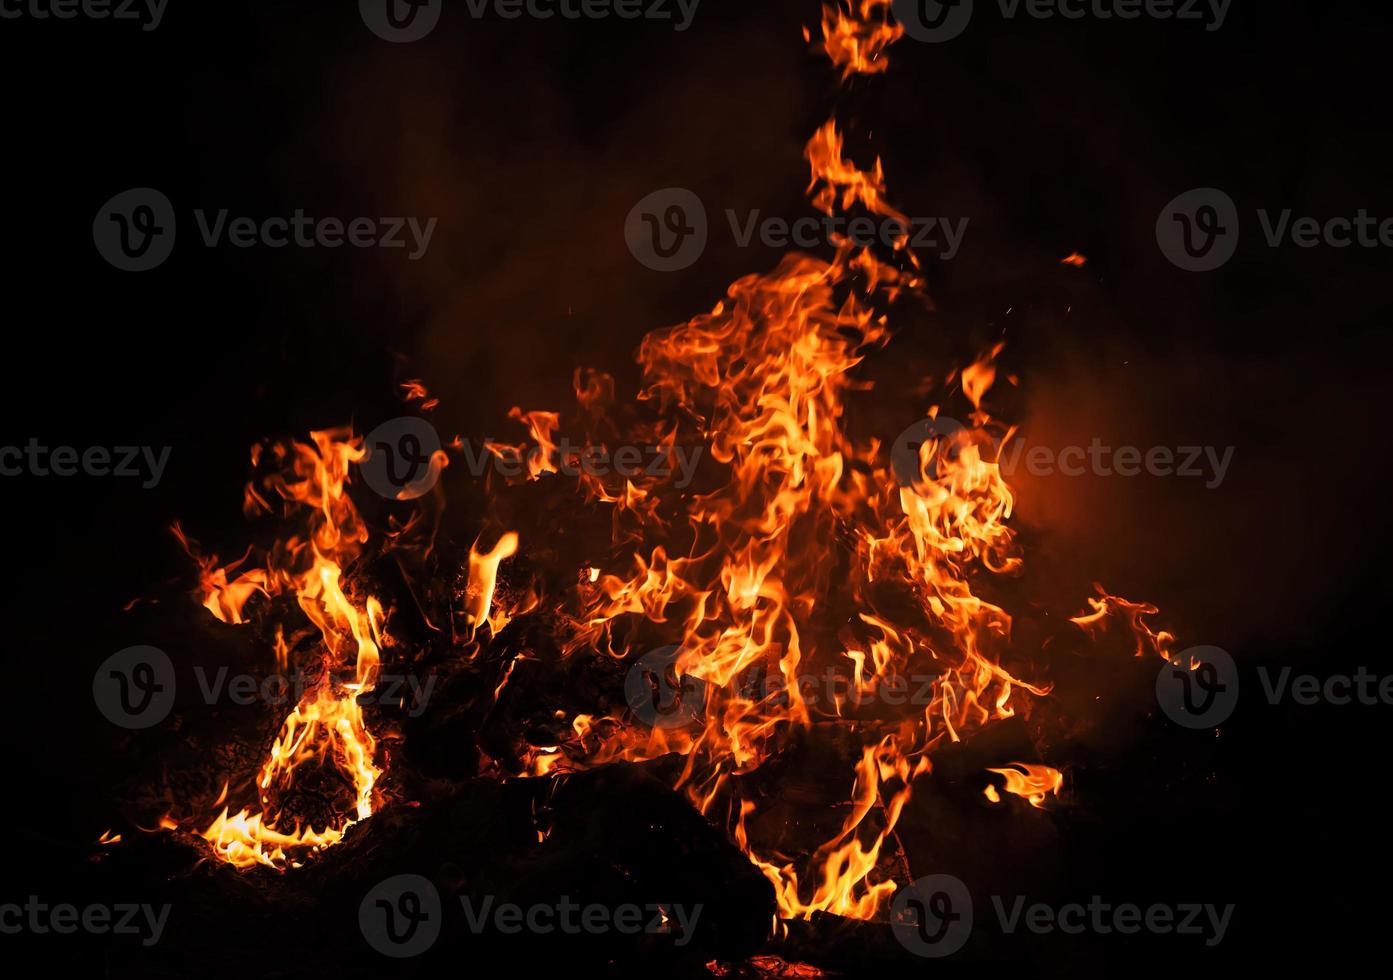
(531, 141)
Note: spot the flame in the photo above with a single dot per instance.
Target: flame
(222, 598)
(855, 34)
(414, 390)
(309, 482)
(1133, 614)
(798, 524)
(765, 376)
(483, 579)
(793, 525)
(1032, 782)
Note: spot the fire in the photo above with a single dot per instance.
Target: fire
(306, 483)
(799, 553)
(1032, 782)
(1108, 608)
(855, 34)
(483, 579)
(415, 390)
(800, 522)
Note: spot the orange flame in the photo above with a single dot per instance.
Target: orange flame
(800, 521)
(483, 579)
(1032, 782)
(797, 524)
(855, 35)
(327, 726)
